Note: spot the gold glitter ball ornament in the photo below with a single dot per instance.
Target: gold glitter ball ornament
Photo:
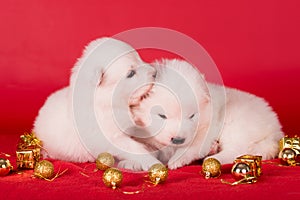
(44, 169)
(104, 161)
(5, 167)
(112, 177)
(158, 173)
(211, 168)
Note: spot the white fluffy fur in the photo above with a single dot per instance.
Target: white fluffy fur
(55, 124)
(224, 126)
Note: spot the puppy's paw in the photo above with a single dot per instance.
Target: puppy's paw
(147, 165)
(131, 165)
(175, 164)
(136, 165)
(179, 160)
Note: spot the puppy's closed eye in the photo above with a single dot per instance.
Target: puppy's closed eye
(162, 116)
(192, 116)
(131, 73)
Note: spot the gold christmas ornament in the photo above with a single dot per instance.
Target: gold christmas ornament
(290, 143)
(27, 158)
(211, 168)
(112, 177)
(246, 166)
(5, 167)
(289, 150)
(44, 169)
(247, 169)
(241, 170)
(288, 157)
(28, 140)
(104, 161)
(28, 151)
(158, 173)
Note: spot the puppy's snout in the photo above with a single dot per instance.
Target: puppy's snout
(177, 140)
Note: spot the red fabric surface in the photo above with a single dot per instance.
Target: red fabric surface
(276, 182)
(255, 45)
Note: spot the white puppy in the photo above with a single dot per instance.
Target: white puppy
(91, 115)
(224, 123)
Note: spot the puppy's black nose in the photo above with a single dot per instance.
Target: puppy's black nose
(177, 140)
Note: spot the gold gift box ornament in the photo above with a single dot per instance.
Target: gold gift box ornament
(289, 153)
(28, 151)
(246, 169)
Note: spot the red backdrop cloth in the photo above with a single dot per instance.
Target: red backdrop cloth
(255, 45)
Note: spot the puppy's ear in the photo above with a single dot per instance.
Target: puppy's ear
(204, 96)
(204, 91)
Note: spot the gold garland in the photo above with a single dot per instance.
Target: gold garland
(246, 180)
(50, 179)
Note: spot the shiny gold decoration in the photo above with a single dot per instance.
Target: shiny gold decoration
(288, 157)
(104, 161)
(29, 140)
(247, 169)
(26, 159)
(44, 169)
(5, 167)
(211, 168)
(112, 177)
(85, 172)
(4, 154)
(246, 180)
(158, 173)
(246, 166)
(28, 151)
(290, 143)
(241, 170)
(289, 150)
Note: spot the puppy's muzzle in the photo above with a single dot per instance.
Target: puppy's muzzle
(177, 140)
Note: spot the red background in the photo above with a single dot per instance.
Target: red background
(254, 43)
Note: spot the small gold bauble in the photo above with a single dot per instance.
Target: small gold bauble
(104, 161)
(112, 177)
(44, 169)
(158, 173)
(211, 168)
(5, 167)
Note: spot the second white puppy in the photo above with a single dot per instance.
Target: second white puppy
(224, 122)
